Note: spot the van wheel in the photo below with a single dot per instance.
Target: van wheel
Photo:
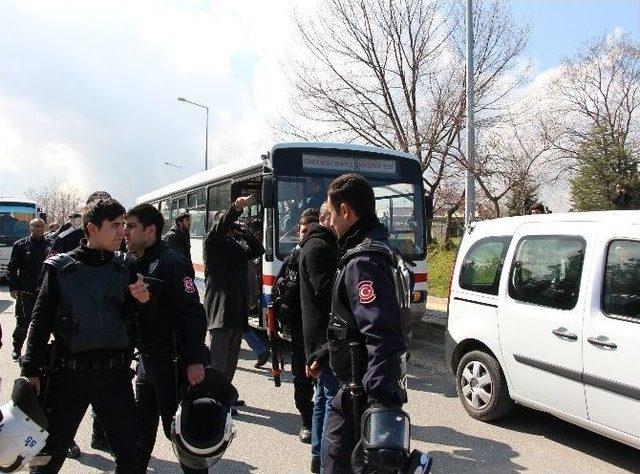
(482, 387)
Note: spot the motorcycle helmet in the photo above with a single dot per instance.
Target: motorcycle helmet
(202, 428)
(23, 428)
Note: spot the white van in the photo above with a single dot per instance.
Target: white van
(544, 310)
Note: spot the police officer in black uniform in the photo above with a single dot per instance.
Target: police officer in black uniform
(88, 300)
(64, 240)
(23, 270)
(178, 328)
(364, 309)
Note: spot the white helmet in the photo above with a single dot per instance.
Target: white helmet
(203, 429)
(23, 426)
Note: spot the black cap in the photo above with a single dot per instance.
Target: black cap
(182, 216)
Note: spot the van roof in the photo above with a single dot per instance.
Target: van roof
(508, 225)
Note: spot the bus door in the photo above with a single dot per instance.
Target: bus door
(252, 218)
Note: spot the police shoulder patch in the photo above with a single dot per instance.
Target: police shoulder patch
(366, 292)
(189, 286)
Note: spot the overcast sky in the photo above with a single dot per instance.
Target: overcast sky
(88, 89)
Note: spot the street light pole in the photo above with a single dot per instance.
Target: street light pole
(469, 208)
(206, 130)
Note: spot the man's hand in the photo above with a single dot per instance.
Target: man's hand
(195, 373)
(312, 370)
(242, 202)
(14, 294)
(140, 290)
(35, 381)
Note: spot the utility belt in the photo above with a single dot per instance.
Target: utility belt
(100, 363)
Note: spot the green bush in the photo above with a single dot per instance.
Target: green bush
(440, 263)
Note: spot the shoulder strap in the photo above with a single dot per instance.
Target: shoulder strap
(369, 246)
(62, 262)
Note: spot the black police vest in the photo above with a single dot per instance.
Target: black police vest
(343, 328)
(91, 312)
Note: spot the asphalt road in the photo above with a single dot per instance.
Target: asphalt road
(267, 427)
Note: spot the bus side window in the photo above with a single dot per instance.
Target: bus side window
(218, 198)
(196, 205)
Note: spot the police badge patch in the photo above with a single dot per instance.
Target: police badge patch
(153, 266)
(189, 287)
(366, 292)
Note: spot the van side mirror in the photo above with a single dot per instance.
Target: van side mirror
(268, 191)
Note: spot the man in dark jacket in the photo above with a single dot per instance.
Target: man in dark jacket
(227, 249)
(178, 327)
(365, 310)
(178, 237)
(286, 293)
(23, 270)
(318, 263)
(88, 300)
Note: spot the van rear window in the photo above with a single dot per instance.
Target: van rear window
(482, 265)
(547, 270)
(621, 295)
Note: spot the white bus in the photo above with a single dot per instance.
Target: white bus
(15, 215)
(292, 177)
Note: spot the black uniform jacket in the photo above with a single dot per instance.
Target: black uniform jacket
(66, 239)
(179, 241)
(25, 264)
(225, 260)
(370, 293)
(42, 319)
(176, 307)
(318, 262)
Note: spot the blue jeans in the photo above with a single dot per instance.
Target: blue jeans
(326, 387)
(254, 341)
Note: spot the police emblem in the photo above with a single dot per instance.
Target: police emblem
(189, 287)
(366, 292)
(153, 266)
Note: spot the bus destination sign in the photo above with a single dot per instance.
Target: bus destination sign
(322, 163)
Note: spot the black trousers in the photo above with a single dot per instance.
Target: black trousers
(302, 385)
(338, 440)
(110, 393)
(24, 307)
(155, 400)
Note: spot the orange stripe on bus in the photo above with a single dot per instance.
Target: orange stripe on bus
(268, 280)
(198, 267)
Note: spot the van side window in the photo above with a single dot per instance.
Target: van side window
(546, 271)
(621, 294)
(482, 265)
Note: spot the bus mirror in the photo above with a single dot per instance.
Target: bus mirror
(268, 191)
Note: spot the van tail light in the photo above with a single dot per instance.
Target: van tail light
(453, 268)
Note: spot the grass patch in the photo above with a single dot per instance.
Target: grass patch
(440, 263)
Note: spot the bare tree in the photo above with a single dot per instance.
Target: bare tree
(599, 89)
(391, 74)
(56, 199)
(515, 152)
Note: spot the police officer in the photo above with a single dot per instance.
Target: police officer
(178, 237)
(65, 239)
(177, 311)
(364, 309)
(88, 300)
(23, 270)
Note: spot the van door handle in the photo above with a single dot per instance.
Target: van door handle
(564, 333)
(597, 341)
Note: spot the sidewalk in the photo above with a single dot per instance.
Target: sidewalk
(436, 311)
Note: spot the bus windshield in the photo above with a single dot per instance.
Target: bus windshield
(398, 206)
(14, 221)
